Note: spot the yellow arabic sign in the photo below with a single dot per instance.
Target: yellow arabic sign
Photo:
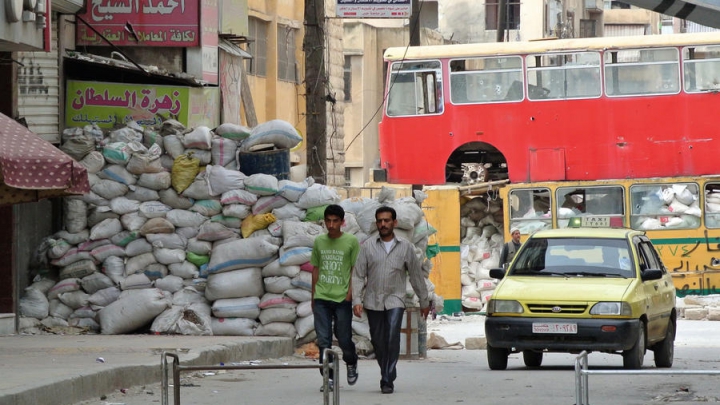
(108, 104)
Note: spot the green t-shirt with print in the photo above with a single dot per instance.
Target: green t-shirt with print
(334, 258)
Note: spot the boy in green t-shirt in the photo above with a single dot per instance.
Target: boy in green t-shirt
(333, 257)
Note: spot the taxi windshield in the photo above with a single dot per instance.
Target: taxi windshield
(574, 257)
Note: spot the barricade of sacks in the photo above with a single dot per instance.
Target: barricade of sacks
(482, 241)
(193, 248)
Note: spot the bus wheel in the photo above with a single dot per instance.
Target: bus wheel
(633, 358)
(532, 358)
(665, 350)
(497, 358)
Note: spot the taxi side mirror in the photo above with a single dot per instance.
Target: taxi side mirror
(651, 274)
(497, 273)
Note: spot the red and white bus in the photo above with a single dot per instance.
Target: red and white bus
(553, 110)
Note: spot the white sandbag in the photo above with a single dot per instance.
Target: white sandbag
(99, 214)
(291, 212)
(233, 326)
(58, 248)
(214, 231)
(166, 322)
(171, 198)
(187, 232)
(408, 213)
(105, 229)
(261, 184)
(116, 153)
(140, 163)
(72, 256)
(85, 323)
(241, 253)
(125, 135)
(155, 181)
(136, 282)
(123, 238)
(155, 271)
(300, 234)
(221, 180)
(268, 203)
(173, 145)
(188, 295)
(275, 229)
(272, 300)
(295, 256)
(143, 194)
(157, 225)
(131, 312)
(185, 270)
(57, 310)
(184, 218)
(227, 221)
(34, 304)
(138, 247)
(199, 247)
(198, 190)
(199, 138)
(206, 208)
(298, 294)
(169, 283)
(274, 268)
(74, 299)
(74, 238)
(242, 197)
(52, 322)
(277, 284)
(43, 284)
(169, 256)
(93, 162)
(303, 280)
(117, 173)
(291, 190)
(96, 282)
(153, 209)
(114, 267)
(246, 307)
(361, 328)
(318, 195)
(277, 315)
(167, 240)
(304, 309)
(232, 131)
(83, 312)
(677, 207)
(137, 264)
(366, 216)
(104, 297)
(109, 189)
(92, 244)
(277, 132)
(276, 329)
(234, 284)
(223, 151)
(240, 211)
(75, 215)
(305, 325)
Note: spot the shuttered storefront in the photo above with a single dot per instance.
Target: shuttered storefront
(39, 90)
(624, 30)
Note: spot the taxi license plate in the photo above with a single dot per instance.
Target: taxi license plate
(569, 328)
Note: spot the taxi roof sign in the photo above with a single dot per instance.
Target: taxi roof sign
(590, 222)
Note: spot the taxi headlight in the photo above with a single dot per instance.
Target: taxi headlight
(611, 308)
(504, 306)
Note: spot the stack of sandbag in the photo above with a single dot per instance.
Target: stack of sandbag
(482, 241)
(663, 207)
(192, 247)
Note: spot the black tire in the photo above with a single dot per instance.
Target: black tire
(532, 358)
(633, 358)
(497, 358)
(665, 350)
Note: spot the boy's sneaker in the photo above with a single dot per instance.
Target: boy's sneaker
(330, 386)
(352, 374)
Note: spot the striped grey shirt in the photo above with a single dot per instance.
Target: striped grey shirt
(379, 278)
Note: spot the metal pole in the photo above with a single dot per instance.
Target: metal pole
(336, 388)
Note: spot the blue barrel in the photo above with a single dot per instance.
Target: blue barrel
(273, 162)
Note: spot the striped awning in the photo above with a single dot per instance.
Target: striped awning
(32, 168)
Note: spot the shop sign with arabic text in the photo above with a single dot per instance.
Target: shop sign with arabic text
(108, 104)
(170, 23)
(373, 8)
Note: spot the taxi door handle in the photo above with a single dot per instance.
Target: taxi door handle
(656, 287)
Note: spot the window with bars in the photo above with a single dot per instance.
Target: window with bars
(286, 53)
(257, 47)
(512, 16)
(347, 76)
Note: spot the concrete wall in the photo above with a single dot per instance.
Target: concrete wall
(19, 35)
(335, 131)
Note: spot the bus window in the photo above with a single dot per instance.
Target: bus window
(564, 76)
(665, 206)
(591, 201)
(485, 80)
(712, 205)
(530, 209)
(642, 72)
(415, 89)
(702, 68)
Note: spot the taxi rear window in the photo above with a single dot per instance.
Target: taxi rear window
(574, 257)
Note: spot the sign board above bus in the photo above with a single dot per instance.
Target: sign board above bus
(374, 8)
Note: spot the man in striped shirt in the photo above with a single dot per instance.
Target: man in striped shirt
(378, 284)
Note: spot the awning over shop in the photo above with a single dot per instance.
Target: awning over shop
(32, 168)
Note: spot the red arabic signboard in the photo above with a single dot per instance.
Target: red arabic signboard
(170, 23)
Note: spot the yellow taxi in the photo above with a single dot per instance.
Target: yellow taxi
(574, 289)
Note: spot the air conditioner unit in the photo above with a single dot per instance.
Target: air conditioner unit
(67, 6)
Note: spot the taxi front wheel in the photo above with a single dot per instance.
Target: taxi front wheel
(633, 358)
(497, 358)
